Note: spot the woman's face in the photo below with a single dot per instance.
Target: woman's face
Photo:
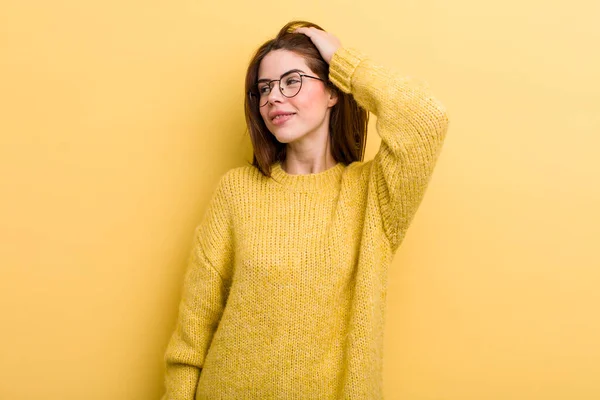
(308, 110)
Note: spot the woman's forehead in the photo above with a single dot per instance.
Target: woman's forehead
(278, 62)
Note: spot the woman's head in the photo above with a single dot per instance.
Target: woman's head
(294, 82)
(294, 102)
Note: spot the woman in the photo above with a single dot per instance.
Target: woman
(284, 297)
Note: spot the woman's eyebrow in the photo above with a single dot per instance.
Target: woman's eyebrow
(284, 74)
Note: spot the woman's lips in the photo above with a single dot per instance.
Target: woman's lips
(282, 119)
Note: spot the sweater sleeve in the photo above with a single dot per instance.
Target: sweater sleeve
(412, 125)
(205, 288)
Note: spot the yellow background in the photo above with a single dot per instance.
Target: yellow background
(118, 117)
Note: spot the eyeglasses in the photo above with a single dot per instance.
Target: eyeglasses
(290, 84)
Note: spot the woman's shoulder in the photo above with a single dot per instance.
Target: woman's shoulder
(240, 178)
(243, 173)
(358, 170)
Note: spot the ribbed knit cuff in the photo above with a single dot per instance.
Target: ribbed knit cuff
(342, 66)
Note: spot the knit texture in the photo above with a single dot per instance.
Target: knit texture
(284, 296)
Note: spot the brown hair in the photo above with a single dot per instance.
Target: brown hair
(348, 121)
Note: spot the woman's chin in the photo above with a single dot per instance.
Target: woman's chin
(284, 137)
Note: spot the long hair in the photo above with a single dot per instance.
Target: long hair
(347, 123)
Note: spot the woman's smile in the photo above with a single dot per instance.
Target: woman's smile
(282, 118)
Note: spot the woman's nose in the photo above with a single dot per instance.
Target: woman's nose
(275, 93)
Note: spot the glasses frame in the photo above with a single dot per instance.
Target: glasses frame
(255, 96)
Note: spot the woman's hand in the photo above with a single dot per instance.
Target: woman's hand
(325, 42)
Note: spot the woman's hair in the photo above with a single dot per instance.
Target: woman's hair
(348, 121)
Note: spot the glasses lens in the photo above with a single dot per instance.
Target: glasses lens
(290, 84)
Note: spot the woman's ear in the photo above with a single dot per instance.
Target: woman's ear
(333, 97)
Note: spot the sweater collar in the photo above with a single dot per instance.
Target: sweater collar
(323, 180)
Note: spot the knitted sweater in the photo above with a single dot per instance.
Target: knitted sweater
(284, 296)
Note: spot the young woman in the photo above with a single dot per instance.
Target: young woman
(284, 297)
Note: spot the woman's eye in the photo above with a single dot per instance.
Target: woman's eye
(292, 81)
(263, 89)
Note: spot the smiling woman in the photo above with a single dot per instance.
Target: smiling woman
(284, 296)
(325, 117)
(297, 115)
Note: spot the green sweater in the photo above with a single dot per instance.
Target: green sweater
(284, 296)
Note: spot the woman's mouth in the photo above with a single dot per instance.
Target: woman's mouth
(280, 119)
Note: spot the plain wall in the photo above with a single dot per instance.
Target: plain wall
(118, 117)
